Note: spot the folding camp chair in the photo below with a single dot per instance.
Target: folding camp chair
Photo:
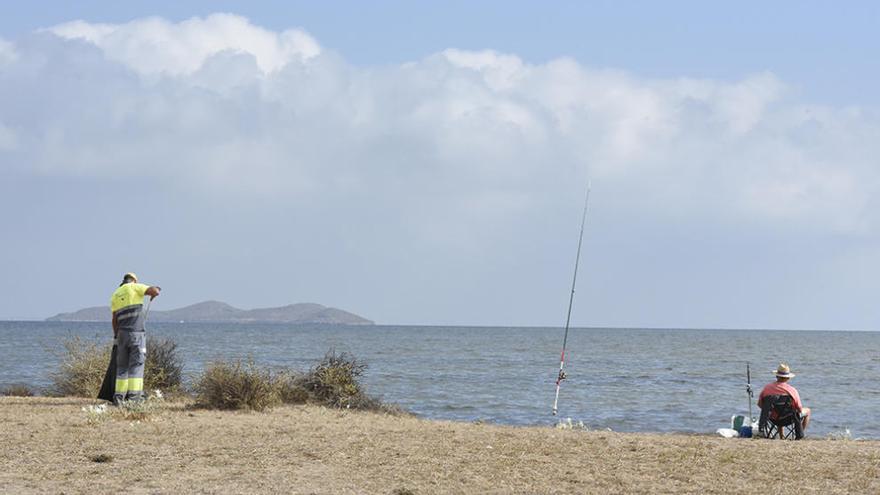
(779, 419)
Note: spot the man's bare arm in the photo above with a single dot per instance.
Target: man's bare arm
(115, 326)
(153, 291)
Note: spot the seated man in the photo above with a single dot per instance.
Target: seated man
(781, 387)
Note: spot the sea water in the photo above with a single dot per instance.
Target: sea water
(657, 380)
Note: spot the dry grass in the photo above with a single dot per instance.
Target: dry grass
(48, 445)
(145, 410)
(17, 390)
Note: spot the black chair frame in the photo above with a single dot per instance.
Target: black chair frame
(786, 425)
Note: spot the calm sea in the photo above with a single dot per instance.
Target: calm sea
(623, 379)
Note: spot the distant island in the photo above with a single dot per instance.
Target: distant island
(220, 312)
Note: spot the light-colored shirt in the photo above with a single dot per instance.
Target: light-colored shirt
(782, 388)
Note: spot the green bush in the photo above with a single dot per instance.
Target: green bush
(83, 365)
(234, 385)
(17, 390)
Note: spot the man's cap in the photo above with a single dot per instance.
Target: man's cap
(783, 371)
(130, 275)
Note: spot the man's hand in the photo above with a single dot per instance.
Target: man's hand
(153, 292)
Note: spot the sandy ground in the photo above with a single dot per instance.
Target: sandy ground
(52, 446)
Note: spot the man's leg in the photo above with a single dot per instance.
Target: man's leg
(122, 362)
(805, 417)
(136, 359)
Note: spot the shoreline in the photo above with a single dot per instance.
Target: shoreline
(53, 445)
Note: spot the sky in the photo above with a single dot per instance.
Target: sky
(426, 163)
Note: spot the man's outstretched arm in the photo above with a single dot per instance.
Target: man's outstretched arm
(153, 291)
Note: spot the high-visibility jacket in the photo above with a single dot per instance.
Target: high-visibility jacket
(127, 304)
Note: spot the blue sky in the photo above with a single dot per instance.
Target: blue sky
(424, 162)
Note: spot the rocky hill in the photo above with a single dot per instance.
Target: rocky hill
(220, 312)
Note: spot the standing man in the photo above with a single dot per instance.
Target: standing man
(127, 304)
(782, 387)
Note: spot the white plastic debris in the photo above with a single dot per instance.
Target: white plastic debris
(99, 409)
(568, 424)
(727, 432)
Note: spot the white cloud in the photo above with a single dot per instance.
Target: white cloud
(444, 185)
(8, 140)
(500, 71)
(738, 107)
(220, 103)
(154, 45)
(7, 52)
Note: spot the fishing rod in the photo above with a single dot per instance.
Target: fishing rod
(750, 392)
(577, 259)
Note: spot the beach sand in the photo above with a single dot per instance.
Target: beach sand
(50, 445)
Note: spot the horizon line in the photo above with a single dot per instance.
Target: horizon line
(440, 325)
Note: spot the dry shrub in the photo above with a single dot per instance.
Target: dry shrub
(84, 363)
(335, 382)
(234, 385)
(17, 390)
(81, 369)
(290, 387)
(164, 367)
